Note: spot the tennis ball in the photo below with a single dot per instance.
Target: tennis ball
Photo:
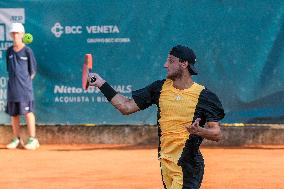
(28, 38)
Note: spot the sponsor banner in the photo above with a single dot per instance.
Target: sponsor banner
(239, 55)
(58, 30)
(69, 94)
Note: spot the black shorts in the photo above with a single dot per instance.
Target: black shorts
(186, 174)
(19, 108)
(192, 174)
(193, 170)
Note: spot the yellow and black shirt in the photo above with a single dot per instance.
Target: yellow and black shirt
(176, 109)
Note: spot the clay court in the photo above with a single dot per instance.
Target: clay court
(134, 167)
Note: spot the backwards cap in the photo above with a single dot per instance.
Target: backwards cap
(186, 54)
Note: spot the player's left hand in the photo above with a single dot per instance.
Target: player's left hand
(194, 128)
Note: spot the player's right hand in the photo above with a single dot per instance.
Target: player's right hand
(95, 80)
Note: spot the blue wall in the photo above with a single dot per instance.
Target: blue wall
(239, 47)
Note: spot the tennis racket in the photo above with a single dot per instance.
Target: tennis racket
(86, 70)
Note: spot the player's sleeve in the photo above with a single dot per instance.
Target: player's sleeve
(211, 106)
(148, 95)
(32, 64)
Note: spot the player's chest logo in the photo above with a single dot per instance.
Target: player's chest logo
(178, 98)
(24, 58)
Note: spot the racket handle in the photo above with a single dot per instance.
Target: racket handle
(91, 79)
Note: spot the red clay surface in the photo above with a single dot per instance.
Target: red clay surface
(124, 167)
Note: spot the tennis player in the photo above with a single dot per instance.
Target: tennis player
(187, 113)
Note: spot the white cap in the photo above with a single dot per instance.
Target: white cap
(17, 27)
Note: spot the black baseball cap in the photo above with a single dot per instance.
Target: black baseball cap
(187, 54)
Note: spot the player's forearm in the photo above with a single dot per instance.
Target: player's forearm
(122, 103)
(211, 133)
(117, 100)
